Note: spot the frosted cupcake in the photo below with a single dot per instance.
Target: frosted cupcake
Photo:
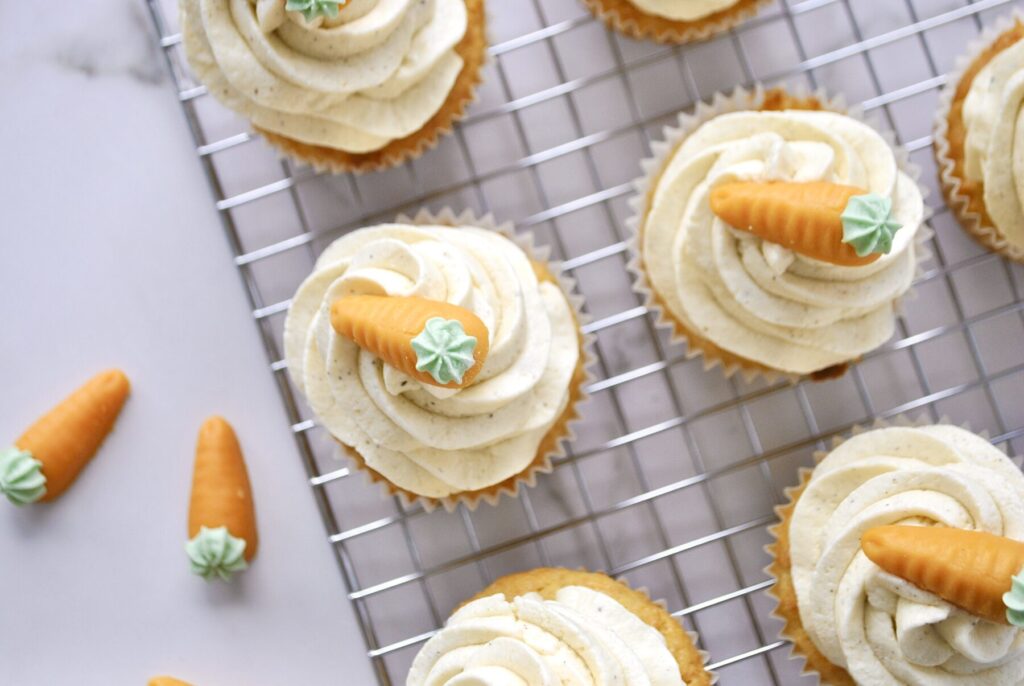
(776, 237)
(559, 626)
(349, 85)
(447, 361)
(979, 140)
(868, 601)
(673, 21)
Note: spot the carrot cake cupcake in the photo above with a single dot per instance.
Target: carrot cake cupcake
(868, 600)
(345, 85)
(559, 626)
(673, 21)
(447, 361)
(776, 236)
(979, 140)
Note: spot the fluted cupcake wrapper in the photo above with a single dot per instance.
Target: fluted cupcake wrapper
(472, 49)
(959, 202)
(624, 17)
(554, 444)
(742, 99)
(783, 592)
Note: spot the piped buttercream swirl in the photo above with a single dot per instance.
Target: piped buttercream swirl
(880, 628)
(426, 439)
(757, 299)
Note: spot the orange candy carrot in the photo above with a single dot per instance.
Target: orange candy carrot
(804, 217)
(65, 439)
(167, 681)
(970, 569)
(434, 342)
(221, 516)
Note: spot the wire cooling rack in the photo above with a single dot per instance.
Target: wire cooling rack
(676, 471)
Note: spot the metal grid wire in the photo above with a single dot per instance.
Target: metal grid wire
(676, 471)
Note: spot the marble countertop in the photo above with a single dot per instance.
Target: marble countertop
(113, 256)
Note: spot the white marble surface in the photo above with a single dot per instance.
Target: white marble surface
(112, 255)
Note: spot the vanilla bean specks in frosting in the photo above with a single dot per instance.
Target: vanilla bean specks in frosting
(426, 439)
(757, 299)
(683, 10)
(354, 78)
(993, 116)
(880, 628)
(581, 637)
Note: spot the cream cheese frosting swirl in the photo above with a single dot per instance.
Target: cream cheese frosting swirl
(376, 72)
(581, 638)
(683, 10)
(425, 439)
(993, 116)
(880, 628)
(755, 298)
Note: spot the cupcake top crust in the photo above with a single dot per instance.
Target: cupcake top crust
(993, 117)
(800, 285)
(581, 636)
(352, 75)
(469, 428)
(683, 10)
(881, 628)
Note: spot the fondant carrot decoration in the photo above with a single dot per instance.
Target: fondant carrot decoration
(843, 225)
(970, 569)
(434, 342)
(53, 451)
(221, 517)
(167, 681)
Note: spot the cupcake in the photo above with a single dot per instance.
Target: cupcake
(559, 626)
(775, 235)
(447, 361)
(864, 600)
(344, 85)
(979, 137)
(673, 21)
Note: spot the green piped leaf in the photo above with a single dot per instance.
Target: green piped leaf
(215, 553)
(444, 350)
(868, 225)
(311, 9)
(21, 476)
(1014, 600)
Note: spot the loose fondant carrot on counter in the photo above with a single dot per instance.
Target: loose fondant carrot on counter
(48, 457)
(434, 342)
(976, 571)
(221, 516)
(167, 681)
(839, 224)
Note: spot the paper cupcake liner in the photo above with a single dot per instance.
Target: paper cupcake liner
(739, 100)
(628, 19)
(553, 446)
(548, 580)
(783, 592)
(472, 49)
(967, 203)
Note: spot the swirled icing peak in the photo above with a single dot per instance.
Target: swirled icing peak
(311, 9)
(868, 224)
(444, 350)
(215, 552)
(1014, 600)
(21, 478)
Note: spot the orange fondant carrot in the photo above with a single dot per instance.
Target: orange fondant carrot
(970, 569)
(167, 681)
(221, 494)
(68, 436)
(804, 217)
(396, 330)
